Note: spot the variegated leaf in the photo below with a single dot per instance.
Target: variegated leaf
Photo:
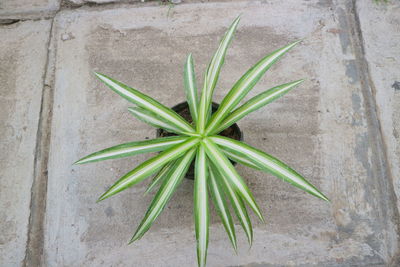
(147, 103)
(148, 167)
(244, 85)
(164, 194)
(268, 163)
(133, 148)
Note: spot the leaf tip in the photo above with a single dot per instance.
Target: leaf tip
(250, 240)
(262, 219)
(300, 81)
(326, 199)
(79, 161)
(298, 41)
(321, 195)
(291, 45)
(97, 74)
(102, 197)
(82, 160)
(291, 85)
(135, 237)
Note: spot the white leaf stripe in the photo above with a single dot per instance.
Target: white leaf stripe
(229, 172)
(190, 87)
(268, 163)
(220, 204)
(201, 120)
(236, 202)
(240, 159)
(153, 119)
(164, 194)
(256, 103)
(244, 85)
(201, 213)
(148, 167)
(133, 148)
(145, 102)
(211, 77)
(161, 175)
(218, 59)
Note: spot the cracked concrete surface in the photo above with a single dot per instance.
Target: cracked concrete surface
(23, 50)
(381, 35)
(26, 9)
(339, 129)
(82, 2)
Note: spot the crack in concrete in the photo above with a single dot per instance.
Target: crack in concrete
(8, 21)
(35, 241)
(69, 5)
(377, 141)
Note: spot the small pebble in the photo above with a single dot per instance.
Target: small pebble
(67, 36)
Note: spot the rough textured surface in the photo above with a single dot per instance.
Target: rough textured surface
(23, 50)
(382, 51)
(340, 129)
(321, 129)
(27, 8)
(82, 2)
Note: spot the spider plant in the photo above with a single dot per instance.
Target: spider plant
(200, 141)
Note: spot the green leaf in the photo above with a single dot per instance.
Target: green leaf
(161, 175)
(153, 119)
(164, 194)
(148, 167)
(203, 109)
(191, 88)
(240, 159)
(218, 59)
(218, 197)
(201, 214)
(226, 168)
(133, 148)
(236, 202)
(244, 85)
(268, 163)
(256, 103)
(212, 75)
(147, 103)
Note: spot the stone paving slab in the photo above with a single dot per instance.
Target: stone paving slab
(380, 25)
(23, 53)
(82, 2)
(27, 8)
(321, 129)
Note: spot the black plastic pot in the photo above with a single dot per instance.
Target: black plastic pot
(183, 110)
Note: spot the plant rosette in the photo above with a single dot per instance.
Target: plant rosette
(199, 140)
(182, 109)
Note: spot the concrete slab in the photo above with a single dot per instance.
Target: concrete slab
(23, 50)
(25, 9)
(82, 2)
(321, 129)
(380, 25)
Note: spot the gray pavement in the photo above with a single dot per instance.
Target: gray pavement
(23, 56)
(339, 128)
(28, 9)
